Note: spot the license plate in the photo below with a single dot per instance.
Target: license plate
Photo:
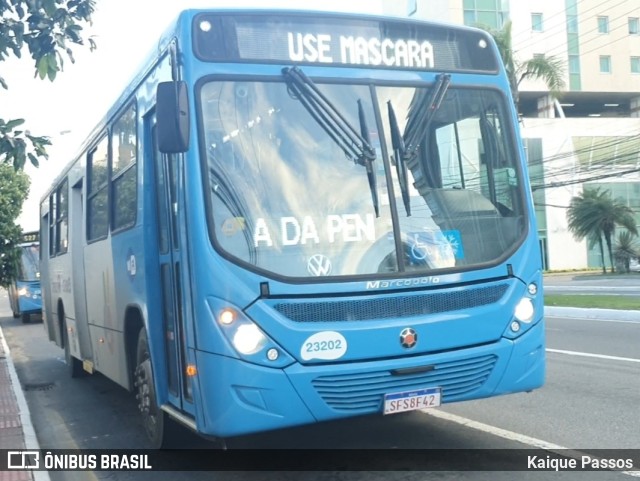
(399, 402)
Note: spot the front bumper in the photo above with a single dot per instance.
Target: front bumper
(30, 305)
(241, 398)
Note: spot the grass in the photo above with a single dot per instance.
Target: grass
(590, 301)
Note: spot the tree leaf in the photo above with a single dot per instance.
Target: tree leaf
(34, 160)
(44, 28)
(12, 124)
(42, 67)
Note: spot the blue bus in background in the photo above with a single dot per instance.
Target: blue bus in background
(294, 217)
(24, 293)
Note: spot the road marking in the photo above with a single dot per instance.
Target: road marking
(513, 436)
(595, 288)
(588, 354)
(568, 318)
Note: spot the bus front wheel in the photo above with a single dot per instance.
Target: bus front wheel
(155, 421)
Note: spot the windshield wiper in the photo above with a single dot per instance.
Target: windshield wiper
(368, 158)
(400, 156)
(422, 112)
(356, 145)
(405, 147)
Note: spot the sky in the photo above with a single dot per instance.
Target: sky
(125, 31)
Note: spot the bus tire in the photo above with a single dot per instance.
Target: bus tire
(157, 424)
(16, 314)
(74, 365)
(26, 318)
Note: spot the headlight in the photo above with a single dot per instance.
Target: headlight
(248, 339)
(524, 311)
(23, 291)
(243, 338)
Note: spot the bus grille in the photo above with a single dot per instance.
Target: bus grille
(391, 307)
(364, 392)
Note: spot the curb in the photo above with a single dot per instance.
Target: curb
(30, 438)
(601, 314)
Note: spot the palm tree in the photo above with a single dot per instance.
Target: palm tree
(548, 69)
(594, 214)
(582, 221)
(626, 248)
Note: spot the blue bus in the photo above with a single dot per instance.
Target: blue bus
(293, 217)
(24, 292)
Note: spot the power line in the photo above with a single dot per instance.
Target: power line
(577, 153)
(562, 48)
(581, 13)
(563, 27)
(626, 37)
(617, 152)
(582, 181)
(544, 204)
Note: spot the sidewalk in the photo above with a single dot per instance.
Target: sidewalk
(16, 430)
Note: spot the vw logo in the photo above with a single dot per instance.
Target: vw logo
(319, 265)
(408, 338)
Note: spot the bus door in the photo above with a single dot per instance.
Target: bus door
(77, 240)
(44, 277)
(166, 182)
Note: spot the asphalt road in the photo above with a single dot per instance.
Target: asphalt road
(587, 403)
(591, 398)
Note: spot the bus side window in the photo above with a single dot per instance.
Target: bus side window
(97, 191)
(124, 170)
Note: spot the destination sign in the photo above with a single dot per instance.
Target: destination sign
(360, 50)
(342, 41)
(30, 236)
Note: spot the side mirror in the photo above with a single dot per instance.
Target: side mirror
(172, 117)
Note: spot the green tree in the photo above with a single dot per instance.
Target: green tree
(548, 69)
(46, 29)
(595, 215)
(626, 248)
(14, 187)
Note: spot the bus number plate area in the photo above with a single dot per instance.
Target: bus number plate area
(400, 402)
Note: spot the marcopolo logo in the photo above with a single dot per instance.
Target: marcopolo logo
(23, 459)
(408, 338)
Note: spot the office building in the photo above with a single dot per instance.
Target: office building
(586, 137)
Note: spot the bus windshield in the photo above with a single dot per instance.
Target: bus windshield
(29, 263)
(285, 199)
